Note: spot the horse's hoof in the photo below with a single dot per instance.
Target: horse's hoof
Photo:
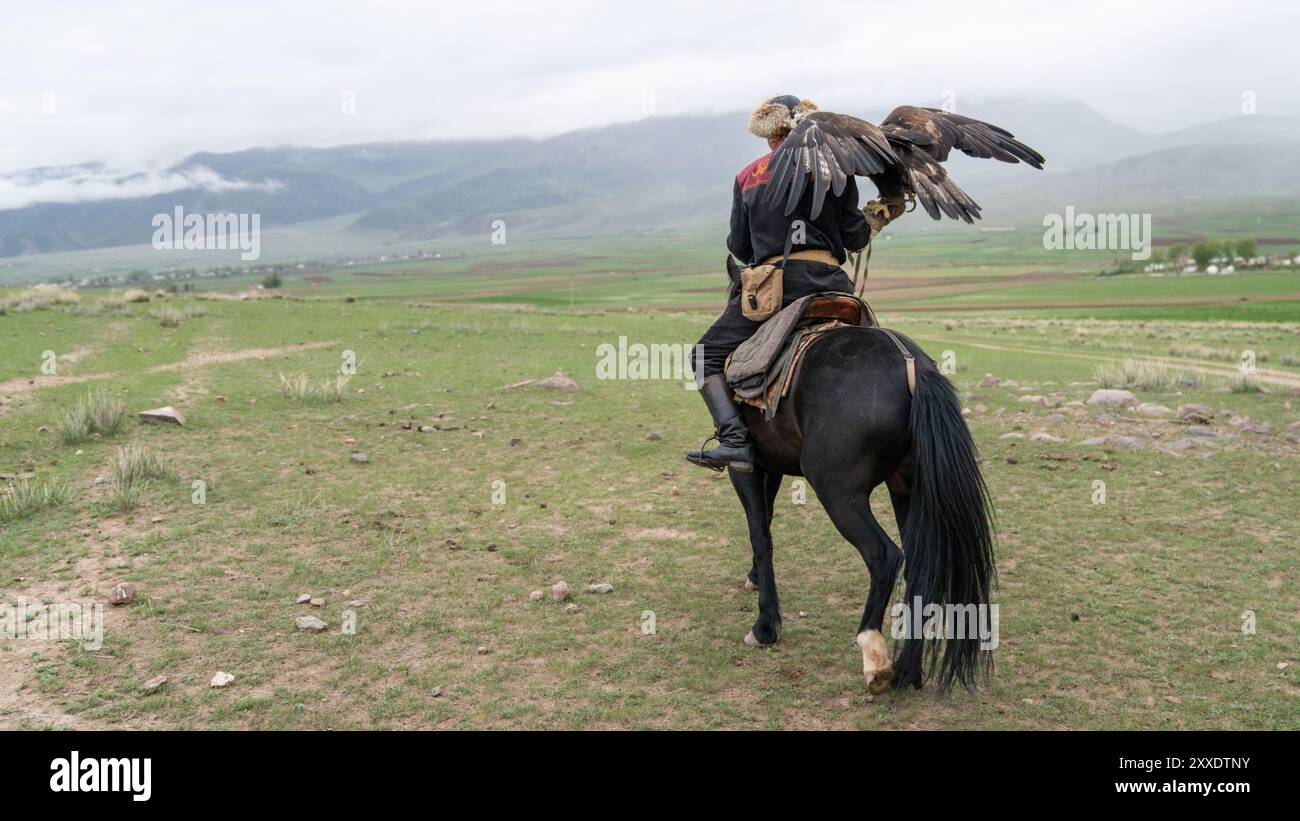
(880, 682)
(748, 585)
(750, 640)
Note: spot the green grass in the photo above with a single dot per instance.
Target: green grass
(418, 545)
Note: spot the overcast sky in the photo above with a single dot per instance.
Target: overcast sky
(141, 84)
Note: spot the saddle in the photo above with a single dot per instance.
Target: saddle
(762, 370)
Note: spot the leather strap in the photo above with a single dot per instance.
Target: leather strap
(908, 359)
(814, 254)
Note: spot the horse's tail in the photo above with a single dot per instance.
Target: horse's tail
(947, 539)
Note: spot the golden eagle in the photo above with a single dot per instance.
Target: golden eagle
(901, 156)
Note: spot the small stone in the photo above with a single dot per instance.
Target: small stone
(303, 599)
(221, 679)
(153, 520)
(483, 650)
(559, 382)
(316, 601)
(989, 381)
(220, 398)
(1015, 434)
(603, 587)
(654, 436)
(966, 411)
(123, 593)
(1282, 665)
(427, 429)
(154, 683)
(536, 595)
(1094, 441)
(435, 692)
(311, 623)
(99, 480)
(1193, 412)
(1126, 443)
(1152, 409)
(571, 608)
(1043, 436)
(1074, 617)
(561, 591)
(360, 458)
(166, 414)
(675, 491)
(1112, 398)
(515, 441)
(43, 429)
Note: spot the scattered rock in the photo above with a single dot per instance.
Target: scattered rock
(311, 623)
(483, 650)
(989, 381)
(1112, 398)
(221, 679)
(1043, 436)
(316, 601)
(1202, 432)
(654, 436)
(123, 593)
(303, 599)
(1180, 445)
(164, 414)
(966, 411)
(603, 587)
(1127, 443)
(515, 441)
(559, 382)
(536, 595)
(360, 458)
(154, 683)
(1015, 434)
(435, 692)
(1192, 412)
(560, 591)
(1094, 441)
(427, 429)
(1034, 399)
(571, 608)
(1152, 409)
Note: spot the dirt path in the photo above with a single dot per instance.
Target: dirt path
(1268, 375)
(16, 389)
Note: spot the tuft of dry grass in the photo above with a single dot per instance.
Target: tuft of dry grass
(1141, 374)
(25, 498)
(133, 466)
(299, 387)
(96, 414)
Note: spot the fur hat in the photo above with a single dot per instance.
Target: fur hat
(775, 117)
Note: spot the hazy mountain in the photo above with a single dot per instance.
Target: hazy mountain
(644, 175)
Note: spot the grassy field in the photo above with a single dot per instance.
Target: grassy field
(1127, 614)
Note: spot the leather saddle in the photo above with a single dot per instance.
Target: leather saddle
(762, 370)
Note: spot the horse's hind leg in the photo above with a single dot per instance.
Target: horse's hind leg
(848, 504)
(753, 490)
(908, 668)
(771, 487)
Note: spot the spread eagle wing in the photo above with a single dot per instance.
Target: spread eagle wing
(902, 156)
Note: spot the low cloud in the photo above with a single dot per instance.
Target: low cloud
(93, 183)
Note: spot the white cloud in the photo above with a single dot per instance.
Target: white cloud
(146, 83)
(83, 184)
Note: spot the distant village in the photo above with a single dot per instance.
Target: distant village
(1207, 257)
(178, 278)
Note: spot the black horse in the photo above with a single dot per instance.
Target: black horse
(850, 425)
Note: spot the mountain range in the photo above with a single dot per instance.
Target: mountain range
(656, 173)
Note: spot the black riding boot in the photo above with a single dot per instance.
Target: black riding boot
(733, 448)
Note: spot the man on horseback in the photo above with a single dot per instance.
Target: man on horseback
(760, 230)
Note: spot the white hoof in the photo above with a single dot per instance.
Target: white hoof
(750, 640)
(750, 585)
(876, 668)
